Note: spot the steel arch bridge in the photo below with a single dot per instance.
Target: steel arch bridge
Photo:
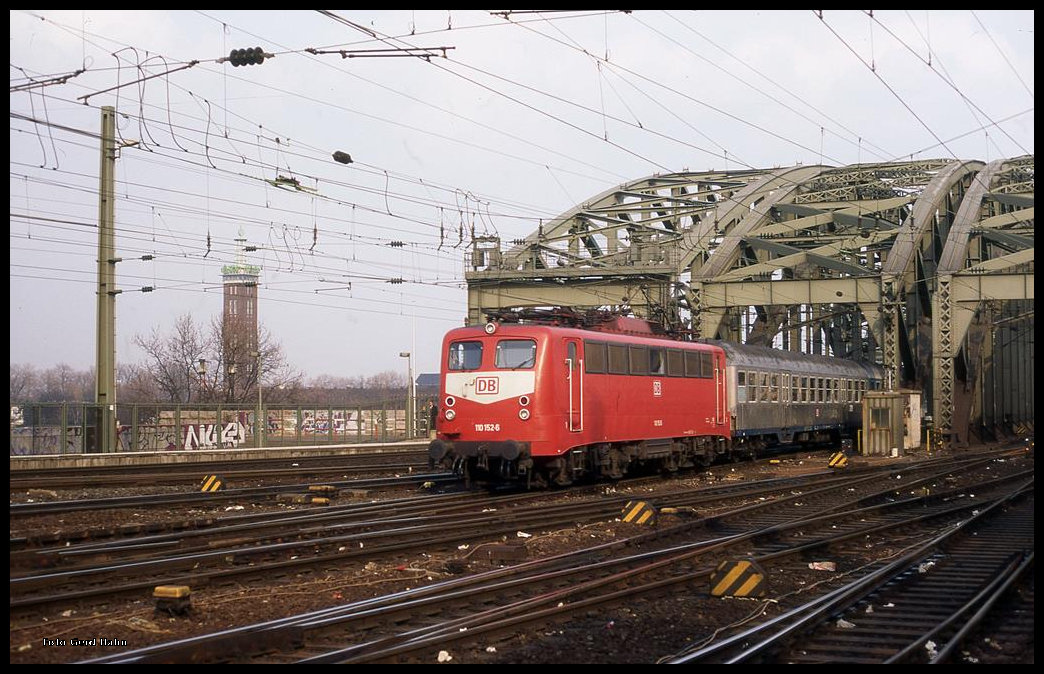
(923, 266)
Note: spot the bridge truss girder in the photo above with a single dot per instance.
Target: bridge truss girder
(856, 261)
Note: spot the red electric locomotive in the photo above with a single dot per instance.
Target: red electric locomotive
(571, 396)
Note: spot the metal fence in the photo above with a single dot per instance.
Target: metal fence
(73, 428)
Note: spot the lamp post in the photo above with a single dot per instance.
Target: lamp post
(409, 393)
(262, 424)
(231, 382)
(201, 370)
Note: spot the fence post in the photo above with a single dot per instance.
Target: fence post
(63, 424)
(179, 439)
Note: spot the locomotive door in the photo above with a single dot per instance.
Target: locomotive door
(575, 377)
(720, 401)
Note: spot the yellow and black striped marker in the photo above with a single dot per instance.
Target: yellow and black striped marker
(212, 483)
(738, 579)
(639, 512)
(838, 460)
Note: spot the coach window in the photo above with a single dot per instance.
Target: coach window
(741, 387)
(794, 388)
(764, 391)
(675, 363)
(656, 364)
(517, 354)
(617, 359)
(639, 356)
(774, 388)
(465, 355)
(752, 387)
(596, 357)
(836, 387)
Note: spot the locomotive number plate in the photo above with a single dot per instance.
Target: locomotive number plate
(487, 428)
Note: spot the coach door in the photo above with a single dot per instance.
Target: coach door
(575, 376)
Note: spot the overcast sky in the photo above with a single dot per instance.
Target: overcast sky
(512, 120)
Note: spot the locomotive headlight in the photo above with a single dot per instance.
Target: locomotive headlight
(450, 415)
(490, 328)
(450, 401)
(523, 414)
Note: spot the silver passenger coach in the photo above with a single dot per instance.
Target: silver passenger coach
(780, 397)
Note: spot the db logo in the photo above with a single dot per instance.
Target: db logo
(487, 385)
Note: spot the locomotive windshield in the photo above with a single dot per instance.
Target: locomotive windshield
(465, 355)
(513, 354)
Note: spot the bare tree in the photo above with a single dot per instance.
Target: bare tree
(24, 382)
(62, 383)
(135, 384)
(173, 361)
(246, 358)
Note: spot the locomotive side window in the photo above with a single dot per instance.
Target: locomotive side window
(515, 354)
(465, 355)
(656, 362)
(639, 356)
(675, 363)
(596, 357)
(692, 364)
(706, 365)
(617, 359)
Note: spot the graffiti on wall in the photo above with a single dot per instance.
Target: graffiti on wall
(208, 436)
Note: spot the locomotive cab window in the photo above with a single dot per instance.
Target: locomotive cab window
(465, 355)
(515, 354)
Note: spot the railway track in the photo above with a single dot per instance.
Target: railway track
(203, 498)
(497, 603)
(238, 469)
(919, 609)
(65, 571)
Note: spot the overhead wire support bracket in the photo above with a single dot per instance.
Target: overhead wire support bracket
(137, 81)
(396, 52)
